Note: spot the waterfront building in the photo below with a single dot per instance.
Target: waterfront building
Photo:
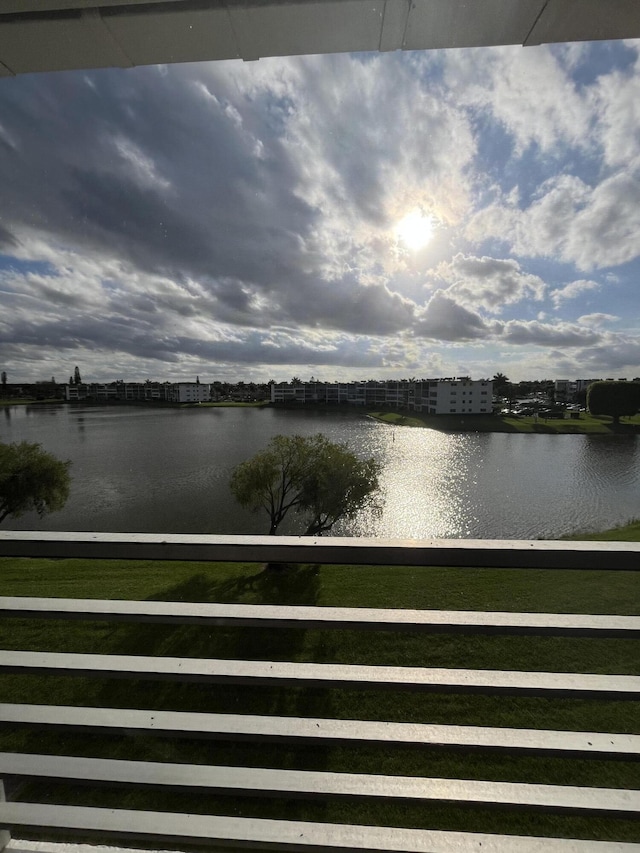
(105, 391)
(188, 392)
(567, 390)
(432, 396)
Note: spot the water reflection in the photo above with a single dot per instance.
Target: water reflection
(143, 469)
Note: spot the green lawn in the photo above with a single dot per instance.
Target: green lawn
(421, 587)
(623, 533)
(586, 424)
(20, 401)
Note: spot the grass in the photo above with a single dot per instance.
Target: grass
(31, 401)
(586, 425)
(420, 587)
(629, 532)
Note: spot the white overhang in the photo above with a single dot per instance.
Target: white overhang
(54, 35)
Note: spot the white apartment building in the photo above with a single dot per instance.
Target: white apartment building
(188, 392)
(566, 390)
(431, 396)
(104, 391)
(458, 396)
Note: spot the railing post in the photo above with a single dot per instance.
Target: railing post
(5, 835)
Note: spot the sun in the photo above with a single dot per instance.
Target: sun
(415, 230)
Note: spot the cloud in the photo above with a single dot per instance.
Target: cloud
(570, 221)
(531, 93)
(255, 204)
(615, 98)
(446, 320)
(488, 282)
(597, 319)
(572, 290)
(233, 213)
(523, 332)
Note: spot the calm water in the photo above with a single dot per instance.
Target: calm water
(146, 470)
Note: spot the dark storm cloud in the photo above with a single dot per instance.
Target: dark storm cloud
(137, 165)
(182, 174)
(7, 240)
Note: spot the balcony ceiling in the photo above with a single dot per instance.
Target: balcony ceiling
(54, 35)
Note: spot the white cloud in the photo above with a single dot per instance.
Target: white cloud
(572, 290)
(597, 319)
(528, 91)
(569, 221)
(488, 282)
(140, 164)
(616, 100)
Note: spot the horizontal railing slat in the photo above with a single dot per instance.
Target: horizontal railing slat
(585, 685)
(284, 835)
(260, 781)
(262, 615)
(467, 553)
(251, 727)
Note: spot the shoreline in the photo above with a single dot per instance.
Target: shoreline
(585, 425)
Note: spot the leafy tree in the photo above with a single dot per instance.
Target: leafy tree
(613, 398)
(340, 486)
(31, 479)
(318, 479)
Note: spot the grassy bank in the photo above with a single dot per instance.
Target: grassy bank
(420, 587)
(586, 425)
(629, 532)
(28, 402)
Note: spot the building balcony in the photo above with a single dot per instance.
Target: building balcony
(182, 729)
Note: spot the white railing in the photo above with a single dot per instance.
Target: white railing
(174, 828)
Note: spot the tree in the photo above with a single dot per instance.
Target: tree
(31, 479)
(613, 398)
(320, 480)
(501, 384)
(76, 376)
(340, 486)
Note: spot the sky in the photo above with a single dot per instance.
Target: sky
(437, 213)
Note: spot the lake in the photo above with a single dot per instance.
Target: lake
(138, 469)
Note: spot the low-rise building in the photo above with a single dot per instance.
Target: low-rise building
(459, 396)
(431, 396)
(188, 392)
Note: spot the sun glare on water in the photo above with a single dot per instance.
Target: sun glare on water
(415, 230)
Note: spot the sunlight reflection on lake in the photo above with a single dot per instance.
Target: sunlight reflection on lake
(138, 469)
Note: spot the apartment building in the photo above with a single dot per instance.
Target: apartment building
(567, 390)
(432, 396)
(188, 392)
(172, 392)
(459, 396)
(105, 391)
